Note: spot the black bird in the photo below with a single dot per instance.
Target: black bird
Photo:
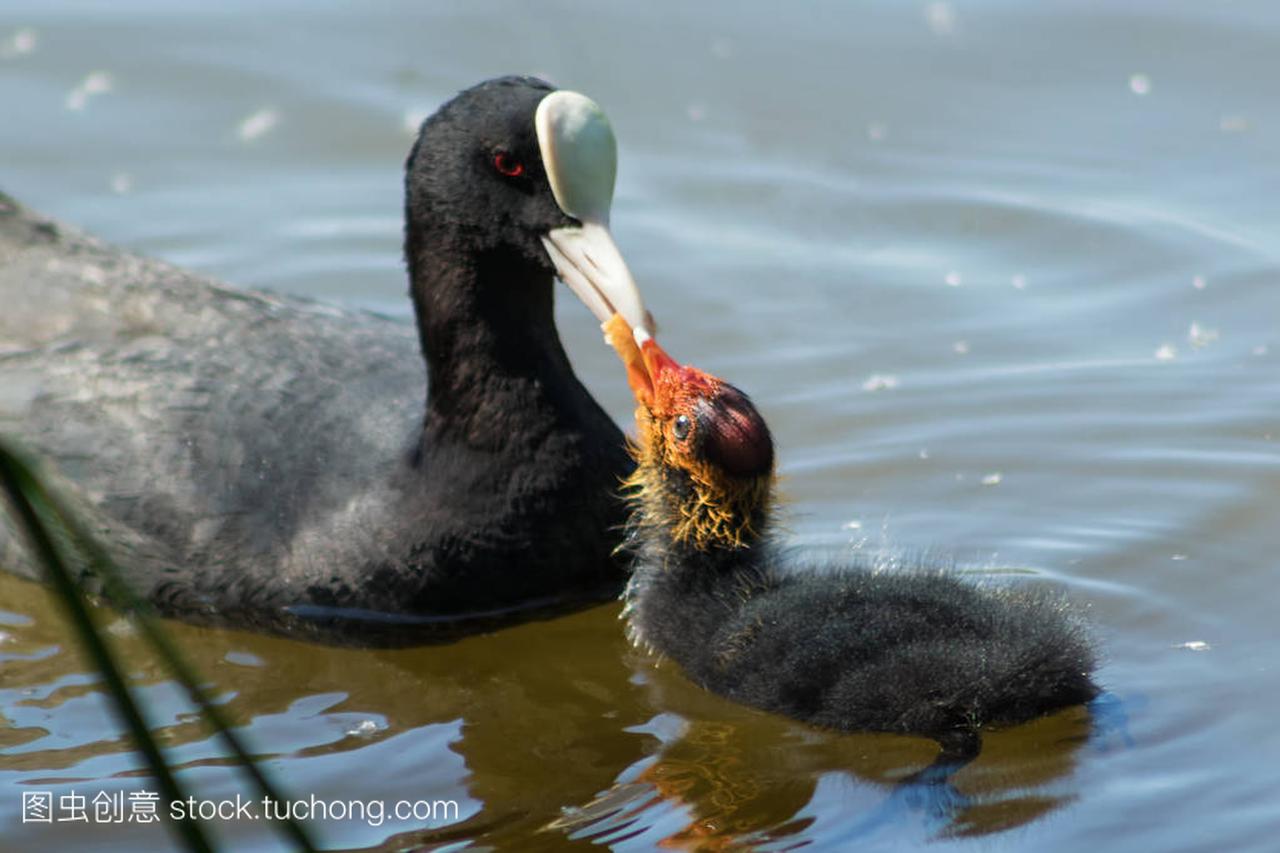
(839, 646)
(269, 462)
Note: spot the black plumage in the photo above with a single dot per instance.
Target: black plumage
(268, 462)
(838, 644)
(915, 651)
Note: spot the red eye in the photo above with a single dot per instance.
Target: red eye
(508, 165)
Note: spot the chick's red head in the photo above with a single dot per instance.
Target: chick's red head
(700, 417)
(697, 425)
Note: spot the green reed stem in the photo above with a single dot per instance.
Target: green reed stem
(32, 503)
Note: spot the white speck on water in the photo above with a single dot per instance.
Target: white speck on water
(880, 382)
(1260, 349)
(1198, 336)
(413, 119)
(257, 124)
(121, 183)
(851, 525)
(953, 279)
(94, 83)
(1139, 84)
(696, 112)
(1198, 282)
(992, 479)
(122, 627)
(21, 43)
(1178, 557)
(941, 18)
(1234, 124)
(1194, 646)
(877, 131)
(1166, 352)
(924, 453)
(721, 47)
(364, 728)
(1019, 281)
(961, 347)
(244, 659)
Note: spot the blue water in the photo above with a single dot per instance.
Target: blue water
(1002, 277)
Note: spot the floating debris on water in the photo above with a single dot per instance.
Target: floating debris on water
(364, 728)
(94, 83)
(21, 43)
(1234, 124)
(941, 18)
(851, 525)
(1198, 336)
(1194, 646)
(961, 347)
(953, 279)
(992, 479)
(1139, 84)
(122, 627)
(244, 659)
(880, 382)
(1166, 352)
(1198, 282)
(924, 453)
(258, 124)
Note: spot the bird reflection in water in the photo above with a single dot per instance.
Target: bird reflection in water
(555, 731)
(730, 777)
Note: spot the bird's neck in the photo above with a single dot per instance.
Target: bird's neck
(696, 525)
(676, 599)
(487, 329)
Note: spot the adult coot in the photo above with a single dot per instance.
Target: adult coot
(268, 462)
(840, 646)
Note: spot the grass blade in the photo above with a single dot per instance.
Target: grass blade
(32, 504)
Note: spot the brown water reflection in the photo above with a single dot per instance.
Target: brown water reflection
(622, 745)
(739, 776)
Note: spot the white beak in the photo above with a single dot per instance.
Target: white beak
(580, 156)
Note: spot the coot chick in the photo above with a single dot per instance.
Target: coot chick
(272, 463)
(840, 646)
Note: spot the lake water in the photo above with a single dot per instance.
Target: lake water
(1002, 276)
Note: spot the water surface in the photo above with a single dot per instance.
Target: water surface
(1002, 277)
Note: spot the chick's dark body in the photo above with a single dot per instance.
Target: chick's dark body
(839, 645)
(914, 651)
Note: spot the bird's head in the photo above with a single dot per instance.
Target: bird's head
(705, 456)
(517, 172)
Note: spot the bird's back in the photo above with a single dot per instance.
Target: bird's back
(195, 419)
(913, 651)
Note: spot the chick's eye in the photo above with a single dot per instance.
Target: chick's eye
(508, 164)
(680, 427)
